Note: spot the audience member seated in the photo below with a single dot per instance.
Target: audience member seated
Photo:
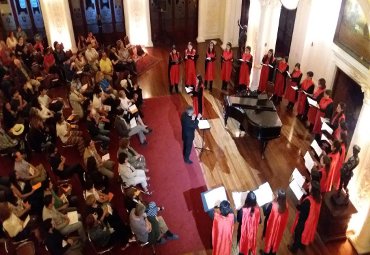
(7, 144)
(67, 135)
(125, 130)
(118, 66)
(41, 111)
(125, 57)
(81, 63)
(92, 57)
(19, 106)
(55, 104)
(23, 76)
(20, 48)
(13, 225)
(130, 175)
(26, 172)
(105, 167)
(97, 103)
(81, 43)
(78, 101)
(16, 205)
(20, 33)
(10, 116)
(104, 84)
(39, 136)
(90, 39)
(99, 180)
(101, 197)
(95, 125)
(61, 198)
(11, 41)
(61, 220)
(58, 244)
(38, 47)
(106, 67)
(49, 61)
(135, 159)
(60, 168)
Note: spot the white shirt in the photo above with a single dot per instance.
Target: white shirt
(62, 131)
(44, 100)
(91, 55)
(97, 102)
(44, 113)
(124, 103)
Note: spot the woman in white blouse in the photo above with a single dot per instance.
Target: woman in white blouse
(11, 41)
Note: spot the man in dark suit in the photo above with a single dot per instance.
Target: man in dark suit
(189, 122)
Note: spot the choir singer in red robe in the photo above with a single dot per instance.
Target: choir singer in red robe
(222, 229)
(280, 79)
(249, 217)
(307, 217)
(294, 81)
(267, 63)
(197, 94)
(338, 117)
(335, 165)
(307, 86)
(210, 66)
(246, 62)
(317, 95)
(226, 66)
(174, 69)
(276, 219)
(325, 111)
(324, 169)
(190, 71)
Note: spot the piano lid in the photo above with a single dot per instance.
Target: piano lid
(267, 119)
(260, 103)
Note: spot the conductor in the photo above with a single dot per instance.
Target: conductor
(189, 122)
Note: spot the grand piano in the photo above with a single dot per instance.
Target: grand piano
(257, 116)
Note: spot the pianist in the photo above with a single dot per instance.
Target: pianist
(189, 122)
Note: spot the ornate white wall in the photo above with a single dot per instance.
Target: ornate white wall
(211, 18)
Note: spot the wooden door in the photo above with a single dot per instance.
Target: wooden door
(174, 21)
(285, 32)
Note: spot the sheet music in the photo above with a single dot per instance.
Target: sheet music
(189, 89)
(324, 138)
(31, 171)
(315, 146)
(298, 177)
(107, 108)
(84, 87)
(324, 120)
(73, 217)
(25, 222)
(297, 190)
(204, 124)
(326, 127)
(289, 74)
(239, 198)
(308, 161)
(264, 194)
(270, 65)
(313, 102)
(294, 87)
(214, 197)
(105, 157)
(132, 109)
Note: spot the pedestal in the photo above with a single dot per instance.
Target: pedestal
(333, 221)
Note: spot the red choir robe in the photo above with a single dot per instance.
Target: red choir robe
(306, 86)
(336, 120)
(324, 104)
(276, 224)
(248, 238)
(265, 72)
(312, 111)
(222, 234)
(310, 226)
(226, 65)
(334, 168)
(342, 157)
(198, 100)
(210, 66)
(174, 67)
(190, 72)
(290, 93)
(245, 69)
(280, 79)
(323, 180)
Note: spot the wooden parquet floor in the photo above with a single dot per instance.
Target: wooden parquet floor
(235, 160)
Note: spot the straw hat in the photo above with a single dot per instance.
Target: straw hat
(17, 129)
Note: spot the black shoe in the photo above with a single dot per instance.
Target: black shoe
(188, 161)
(144, 143)
(149, 130)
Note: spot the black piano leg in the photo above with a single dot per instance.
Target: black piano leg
(263, 148)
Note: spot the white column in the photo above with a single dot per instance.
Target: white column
(58, 24)
(359, 186)
(264, 18)
(137, 21)
(233, 10)
(202, 11)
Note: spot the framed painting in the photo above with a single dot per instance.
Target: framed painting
(352, 33)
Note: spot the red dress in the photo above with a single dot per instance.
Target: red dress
(302, 97)
(198, 102)
(222, 234)
(334, 169)
(310, 226)
(312, 111)
(174, 68)
(265, 71)
(210, 66)
(336, 120)
(342, 157)
(248, 238)
(324, 103)
(276, 224)
(244, 73)
(227, 65)
(291, 94)
(190, 72)
(323, 180)
(280, 79)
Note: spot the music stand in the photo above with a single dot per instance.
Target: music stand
(203, 125)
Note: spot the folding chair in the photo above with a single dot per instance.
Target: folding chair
(100, 251)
